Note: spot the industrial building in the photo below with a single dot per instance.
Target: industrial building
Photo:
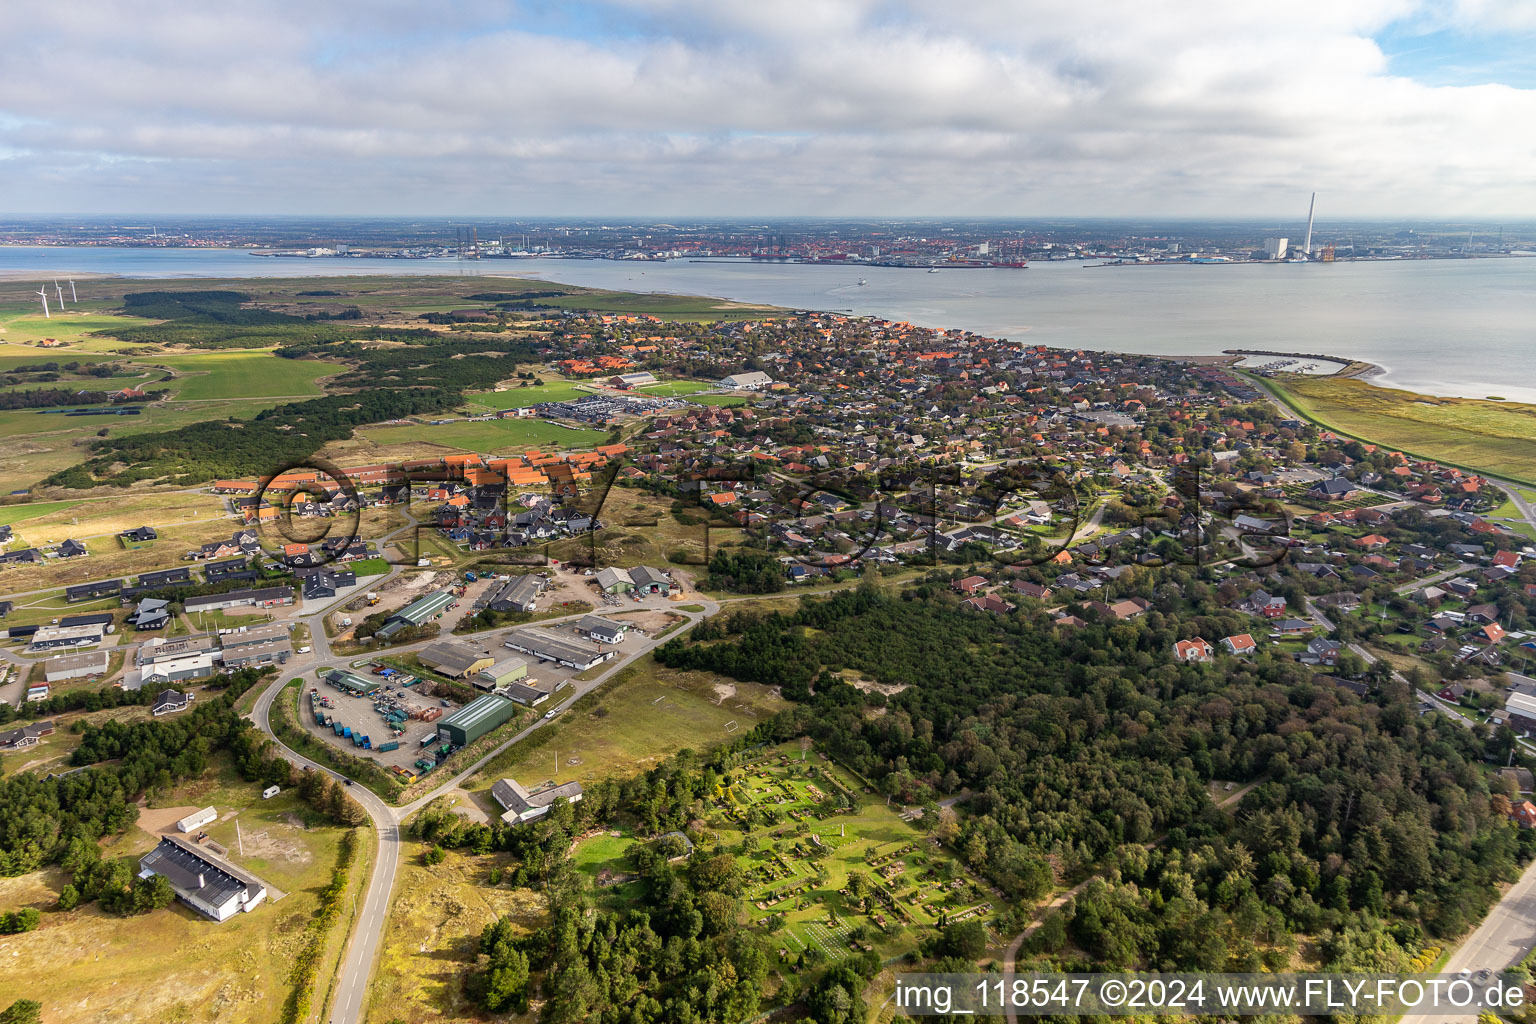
(269, 597)
(650, 581)
(455, 658)
(613, 580)
(604, 631)
(255, 645)
(353, 683)
(75, 666)
(171, 661)
(521, 806)
(419, 611)
(520, 594)
(752, 380)
(475, 719)
(562, 650)
(203, 880)
(53, 638)
(532, 692)
(507, 670)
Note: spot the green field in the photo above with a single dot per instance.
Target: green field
(244, 374)
(644, 714)
(675, 388)
(520, 398)
(488, 435)
(1490, 437)
(10, 515)
(722, 400)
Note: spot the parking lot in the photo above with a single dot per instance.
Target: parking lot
(359, 714)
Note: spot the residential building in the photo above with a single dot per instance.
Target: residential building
(168, 702)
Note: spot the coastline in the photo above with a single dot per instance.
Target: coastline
(1397, 319)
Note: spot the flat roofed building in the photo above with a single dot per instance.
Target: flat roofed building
(563, 650)
(203, 880)
(521, 805)
(76, 666)
(159, 649)
(51, 638)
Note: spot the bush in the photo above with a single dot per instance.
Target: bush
(24, 920)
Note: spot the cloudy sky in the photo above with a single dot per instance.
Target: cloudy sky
(769, 107)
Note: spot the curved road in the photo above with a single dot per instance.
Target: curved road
(351, 991)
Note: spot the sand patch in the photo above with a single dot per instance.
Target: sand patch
(649, 620)
(160, 820)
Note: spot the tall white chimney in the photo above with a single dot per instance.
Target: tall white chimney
(1306, 245)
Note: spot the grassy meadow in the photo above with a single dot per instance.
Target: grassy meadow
(1492, 437)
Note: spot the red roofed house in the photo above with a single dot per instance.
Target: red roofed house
(969, 585)
(1193, 650)
(1242, 643)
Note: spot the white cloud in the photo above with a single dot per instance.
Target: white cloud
(711, 107)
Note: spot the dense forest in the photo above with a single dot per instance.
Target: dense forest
(1089, 751)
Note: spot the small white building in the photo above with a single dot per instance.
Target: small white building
(197, 819)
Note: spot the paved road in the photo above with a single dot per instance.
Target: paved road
(1505, 936)
(351, 993)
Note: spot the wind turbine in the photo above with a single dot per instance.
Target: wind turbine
(72, 296)
(59, 292)
(43, 291)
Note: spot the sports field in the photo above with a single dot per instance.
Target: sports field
(489, 435)
(520, 398)
(10, 515)
(1492, 437)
